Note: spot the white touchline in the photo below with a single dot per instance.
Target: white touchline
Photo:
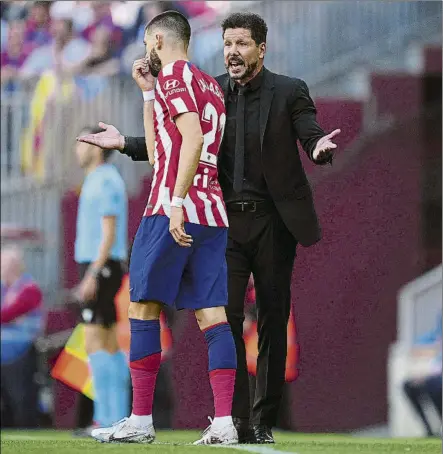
(255, 449)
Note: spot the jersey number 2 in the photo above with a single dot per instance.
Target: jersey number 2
(217, 124)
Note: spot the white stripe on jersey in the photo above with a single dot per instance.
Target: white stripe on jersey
(208, 209)
(168, 70)
(221, 209)
(187, 77)
(156, 166)
(167, 201)
(191, 210)
(180, 105)
(188, 204)
(167, 146)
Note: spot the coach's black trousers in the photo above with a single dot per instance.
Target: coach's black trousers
(259, 243)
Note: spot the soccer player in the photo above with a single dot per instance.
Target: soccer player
(100, 251)
(178, 255)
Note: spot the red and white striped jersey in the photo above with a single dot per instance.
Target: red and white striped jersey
(181, 87)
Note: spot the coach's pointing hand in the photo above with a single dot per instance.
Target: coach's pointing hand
(109, 139)
(142, 74)
(177, 228)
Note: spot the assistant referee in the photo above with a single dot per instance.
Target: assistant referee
(100, 252)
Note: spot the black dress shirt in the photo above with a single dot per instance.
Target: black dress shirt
(254, 184)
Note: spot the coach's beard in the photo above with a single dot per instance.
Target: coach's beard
(155, 64)
(239, 71)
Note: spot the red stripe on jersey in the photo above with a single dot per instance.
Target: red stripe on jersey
(183, 88)
(216, 212)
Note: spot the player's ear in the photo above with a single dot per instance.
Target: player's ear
(159, 41)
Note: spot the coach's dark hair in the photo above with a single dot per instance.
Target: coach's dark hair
(95, 130)
(172, 21)
(252, 22)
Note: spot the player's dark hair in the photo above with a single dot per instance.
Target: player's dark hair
(250, 21)
(95, 130)
(174, 22)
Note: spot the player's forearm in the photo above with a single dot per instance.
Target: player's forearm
(190, 154)
(148, 121)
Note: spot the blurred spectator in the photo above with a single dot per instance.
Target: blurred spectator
(38, 24)
(14, 55)
(428, 387)
(83, 15)
(194, 9)
(65, 49)
(4, 30)
(21, 322)
(103, 18)
(100, 60)
(147, 12)
(135, 34)
(13, 10)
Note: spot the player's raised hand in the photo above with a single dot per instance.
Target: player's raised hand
(324, 147)
(142, 75)
(109, 139)
(177, 228)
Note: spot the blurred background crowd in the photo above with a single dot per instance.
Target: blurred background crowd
(365, 299)
(81, 38)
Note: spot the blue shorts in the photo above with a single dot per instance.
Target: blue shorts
(188, 277)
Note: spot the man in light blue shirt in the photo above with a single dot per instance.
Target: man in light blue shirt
(100, 251)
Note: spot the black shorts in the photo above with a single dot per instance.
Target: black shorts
(101, 311)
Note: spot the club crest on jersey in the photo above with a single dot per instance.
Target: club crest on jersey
(171, 84)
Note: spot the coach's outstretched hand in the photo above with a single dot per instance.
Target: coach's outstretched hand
(109, 139)
(323, 149)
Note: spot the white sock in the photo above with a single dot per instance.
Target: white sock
(142, 422)
(221, 422)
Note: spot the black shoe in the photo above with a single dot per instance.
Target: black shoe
(263, 434)
(245, 433)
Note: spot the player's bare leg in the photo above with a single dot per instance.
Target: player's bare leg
(145, 358)
(222, 368)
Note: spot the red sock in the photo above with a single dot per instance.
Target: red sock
(144, 374)
(222, 384)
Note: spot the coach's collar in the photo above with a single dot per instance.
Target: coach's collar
(252, 85)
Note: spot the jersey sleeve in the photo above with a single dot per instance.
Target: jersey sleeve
(175, 85)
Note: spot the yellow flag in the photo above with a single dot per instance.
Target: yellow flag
(33, 139)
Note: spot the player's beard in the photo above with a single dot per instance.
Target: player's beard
(155, 64)
(248, 71)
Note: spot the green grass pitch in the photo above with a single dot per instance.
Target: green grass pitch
(54, 442)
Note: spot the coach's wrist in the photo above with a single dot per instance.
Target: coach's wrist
(121, 143)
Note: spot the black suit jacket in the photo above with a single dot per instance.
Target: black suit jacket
(287, 113)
